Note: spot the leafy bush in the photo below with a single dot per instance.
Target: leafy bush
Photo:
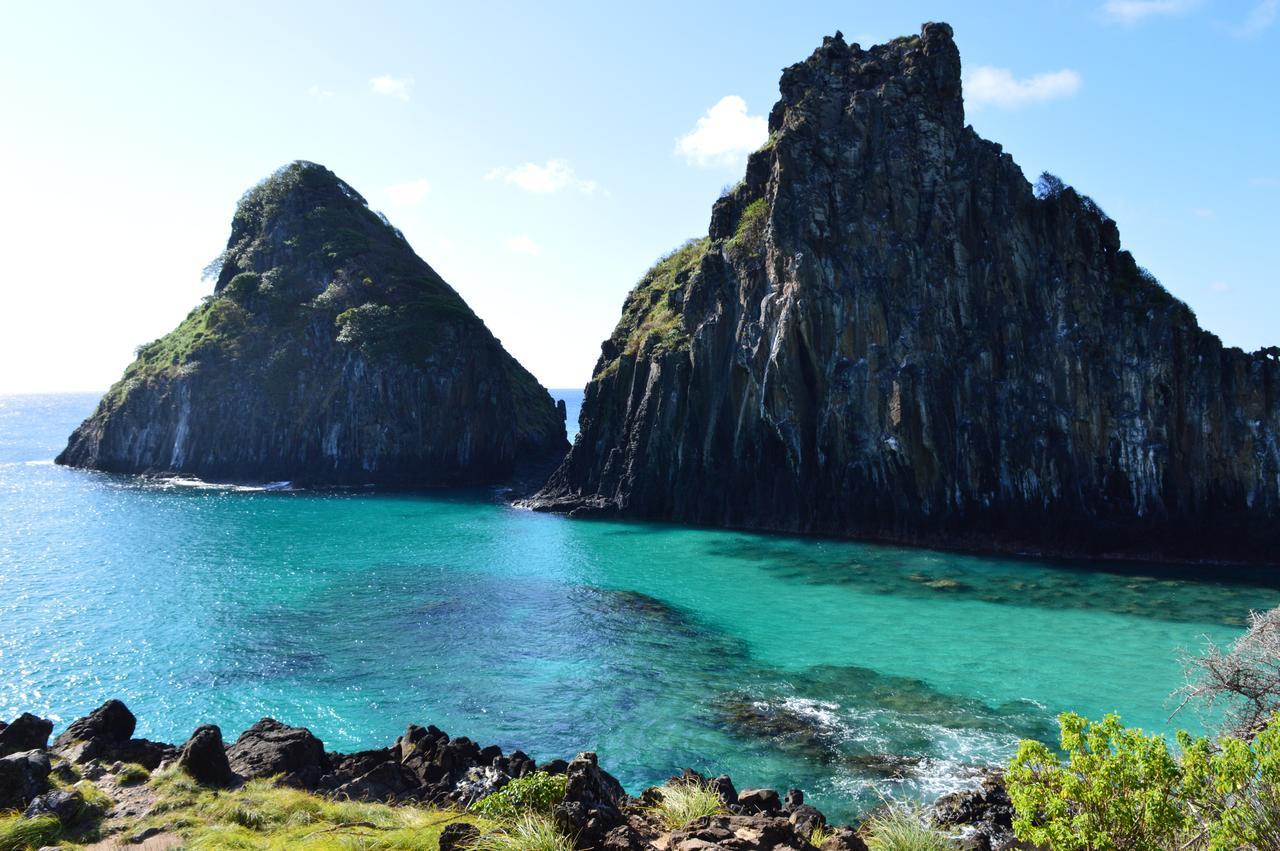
(682, 802)
(902, 827)
(529, 832)
(1123, 790)
(534, 793)
(20, 834)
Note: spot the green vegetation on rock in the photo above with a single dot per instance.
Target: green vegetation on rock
(534, 793)
(683, 802)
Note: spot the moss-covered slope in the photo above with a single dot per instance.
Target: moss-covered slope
(328, 353)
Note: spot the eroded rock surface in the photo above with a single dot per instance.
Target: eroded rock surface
(887, 334)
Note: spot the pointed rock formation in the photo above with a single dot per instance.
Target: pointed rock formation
(328, 353)
(888, 334)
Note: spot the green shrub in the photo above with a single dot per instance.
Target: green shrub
(683, 802)
(529, 832)
(903, 827)
(1122, 790)
(536, 793)
(20, 834)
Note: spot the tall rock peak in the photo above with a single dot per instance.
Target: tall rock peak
(328, 353)
(888, 334)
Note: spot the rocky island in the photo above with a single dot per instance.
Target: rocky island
(328, 354)
(888, 333)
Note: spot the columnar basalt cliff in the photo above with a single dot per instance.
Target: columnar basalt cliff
(887, 333)
(329, 353)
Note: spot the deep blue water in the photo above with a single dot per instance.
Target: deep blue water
(848, 669)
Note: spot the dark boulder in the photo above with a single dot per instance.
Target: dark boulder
(270, 748)
(738, 833)
(67, 806)
(27, 733)
(458, 836)
(112, 722)
(986, 813)
(23, 776)
(519, 764)
(387, 781)
(759, 801)
(593, 801)
(479, 782)
(807, 819)
(844, 839)
(555, 766)
(793, 799)
(724, 788)
(204, 757)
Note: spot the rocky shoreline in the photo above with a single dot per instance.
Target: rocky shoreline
(425, 766)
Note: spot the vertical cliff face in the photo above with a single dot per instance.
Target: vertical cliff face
(886, 333)
(329, 353)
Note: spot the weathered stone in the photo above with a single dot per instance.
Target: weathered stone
(986, 813)
(806, 819)
(759, 801)
(887, 334)
(68, 806)
(27, 733)
(270, 748)
(111, 723)
(593, 800)
(844, 839)
(738, 833)
(329, 353)
(204, 757)
(23, 776)
(458, 836)
(724, 788)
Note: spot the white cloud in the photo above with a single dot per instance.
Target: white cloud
(1263, 182)
(407, 194)
(998, 86)
(522, 244)
(392, 87)
(1204, 213)
(724, 135)
(1220, 287)
(1133, 11)
(544, 179)
(318, 94)
(1260, 19)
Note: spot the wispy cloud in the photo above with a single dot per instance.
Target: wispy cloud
(1264, 182)
(1260, 19)
(407, 194)
(724, 135)
(553, 176)
(523, 244)
(998, 86)
(318, 94)
(392, 87)
(1204, 213)
(1220, 287)
(1134, 11)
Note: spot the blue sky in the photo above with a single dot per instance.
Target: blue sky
(542, 156)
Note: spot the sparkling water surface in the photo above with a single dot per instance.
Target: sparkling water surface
(850, 670)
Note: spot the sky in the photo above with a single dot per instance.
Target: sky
(542, 156)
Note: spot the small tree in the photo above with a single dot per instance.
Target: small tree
(1243, 681)
(1049, 186)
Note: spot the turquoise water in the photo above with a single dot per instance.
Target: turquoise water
(846, 669)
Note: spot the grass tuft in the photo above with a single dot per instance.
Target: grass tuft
(903, 827)
(132, 774)
(21, 834)
(683, 802)
(529, 832)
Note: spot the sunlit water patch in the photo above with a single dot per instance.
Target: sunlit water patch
(847, 669)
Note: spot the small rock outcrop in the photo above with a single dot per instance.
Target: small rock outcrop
(270, 748)
(887, 333)
(23, 777)
(106, 735)
(738, 833)
(329, 353)
(593, 800)
(27, 733)
(204, 757)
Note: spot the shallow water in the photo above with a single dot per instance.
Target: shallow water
(847, 669)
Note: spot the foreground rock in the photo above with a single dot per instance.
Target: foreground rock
(328, 353)
(887, 334)
(426, 765)
(27, 732)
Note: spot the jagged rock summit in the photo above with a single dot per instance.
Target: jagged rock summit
(888, 334)
(329, 353)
